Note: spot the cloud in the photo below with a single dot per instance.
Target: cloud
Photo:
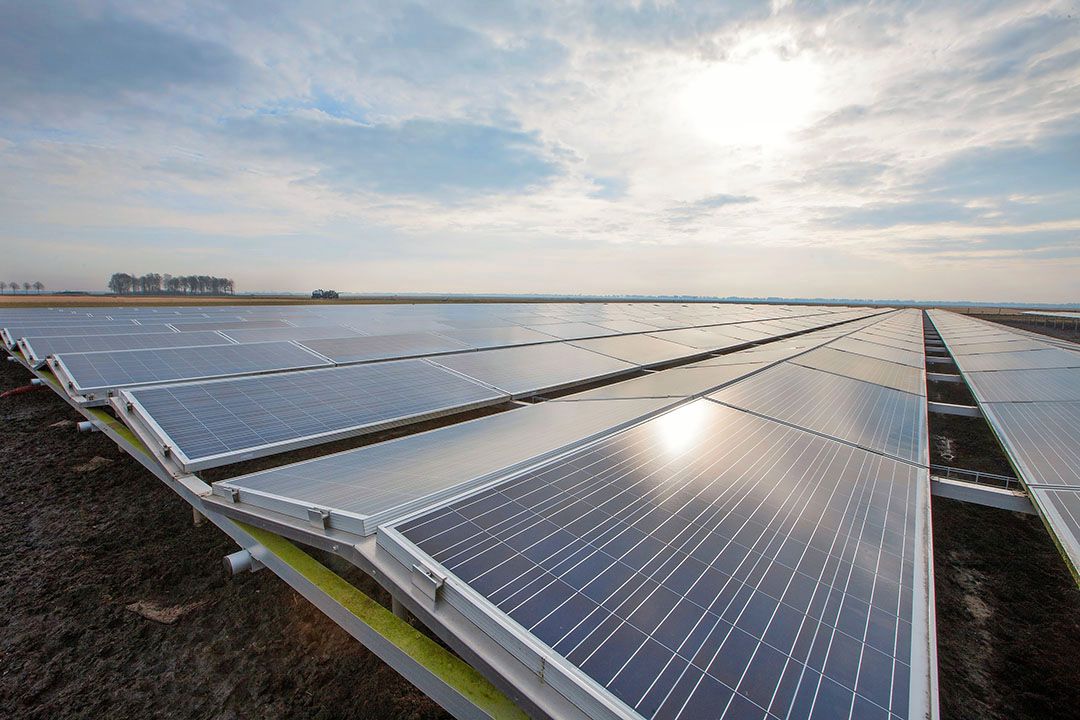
(52, 49)
(1048, 165)
(416, 157)
(688, 213)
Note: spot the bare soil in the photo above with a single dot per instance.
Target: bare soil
(1008, 617)
(116, 606)
(967, 443)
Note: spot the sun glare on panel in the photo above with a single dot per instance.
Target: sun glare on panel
(678, 430)
(757, 100)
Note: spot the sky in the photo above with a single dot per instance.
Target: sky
(828, 149)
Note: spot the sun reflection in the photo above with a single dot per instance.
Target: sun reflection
(758, 100)
(678, 430)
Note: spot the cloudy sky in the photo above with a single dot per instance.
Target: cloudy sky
(889, 150)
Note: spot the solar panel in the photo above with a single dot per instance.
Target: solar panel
(1062, 507)
(705, 338)
(531, 369)
(1042, 437)
(1050, 357)
(673, 383)
(890, 340)
(572, 330)
(99, 372)
(1026, 385)
(870, 416)
(39, 348)
(364, 487)
(769, 353)
(184, 326)
(307, 332)
(626, 326)
(705, 563)
(862, 367)
(223, 421)
(1031, 398)
(882, 352)
(498, 336)
(380, 347)
(1012, 345)
(748, 332)
(13, 333)
(641, 350)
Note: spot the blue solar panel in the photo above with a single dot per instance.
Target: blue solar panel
(706, 563)
(222, 421)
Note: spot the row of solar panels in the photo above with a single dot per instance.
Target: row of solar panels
(369, 319)
(97, 358)
(740, 535)
(1028, 387)
(92, 377)
(748, 553)
(203, 424)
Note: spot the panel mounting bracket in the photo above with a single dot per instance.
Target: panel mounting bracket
(428, 581)
(319, 517)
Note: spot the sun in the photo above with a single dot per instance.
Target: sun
(756, 100)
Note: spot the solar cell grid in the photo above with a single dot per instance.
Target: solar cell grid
(217, 422)
(572, 330)
(1048, 385)
(882, 352)
(706, 563)
(862, 367)
(674, 383)
(498, 336)
(639, 349)
(386, 480)
(1043, 437)
(42, 347)
(1050, 357)
(101, 371)
(307, 332)
(870, 416)
(379, 347)
(531, 369)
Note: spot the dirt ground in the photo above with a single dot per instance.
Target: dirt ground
(1008, 617)
(86, 534)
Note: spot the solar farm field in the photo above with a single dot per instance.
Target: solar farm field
(594, 510)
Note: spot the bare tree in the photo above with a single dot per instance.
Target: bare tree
(38, 286)
(26, 288)
(3, 286)
(14, 287)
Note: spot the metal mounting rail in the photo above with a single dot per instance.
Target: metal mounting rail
(978, 477)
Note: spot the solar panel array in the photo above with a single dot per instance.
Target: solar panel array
(38, 349)
(744, 535)
(106, 372)
(214, 423)
(366, 481)
(1029, 392)
(710, 561)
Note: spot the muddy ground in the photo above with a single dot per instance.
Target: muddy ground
(87, 533)
(1008, 617)
(92, 544)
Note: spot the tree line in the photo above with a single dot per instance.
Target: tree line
(158, 284)
(37, 286)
